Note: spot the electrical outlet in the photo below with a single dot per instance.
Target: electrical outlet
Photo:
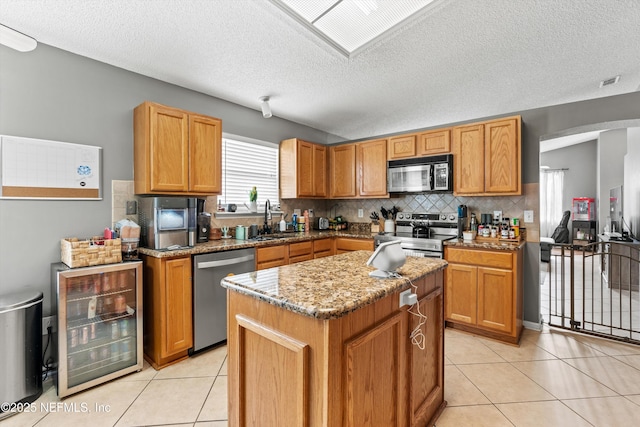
(360, 213)
(407, 298)
(310, 212)
(46, 322)
(296, 212)
(497, 215)
(528, 216)
(132, 207)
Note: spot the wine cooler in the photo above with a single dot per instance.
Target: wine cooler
(98, 334)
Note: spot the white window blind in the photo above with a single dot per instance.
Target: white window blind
(245, 165)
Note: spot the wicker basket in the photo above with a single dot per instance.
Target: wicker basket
(89, 252)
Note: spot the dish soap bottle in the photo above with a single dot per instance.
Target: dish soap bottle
(283, 224)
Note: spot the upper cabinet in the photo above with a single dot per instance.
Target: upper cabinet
(176, 151)
(487, 158)
(371, 161)
(303, 169)
(359, 170)
(428, 143)
(434, 142)
(402, 146)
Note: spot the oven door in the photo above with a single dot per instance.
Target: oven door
(409, 178)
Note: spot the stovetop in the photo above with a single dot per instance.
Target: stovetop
(441, 226)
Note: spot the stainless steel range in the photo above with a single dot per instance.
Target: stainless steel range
(422, 234)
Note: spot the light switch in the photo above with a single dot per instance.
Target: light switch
(528, 216)
(360, 213)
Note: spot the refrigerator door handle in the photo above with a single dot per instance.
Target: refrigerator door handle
(223, 262)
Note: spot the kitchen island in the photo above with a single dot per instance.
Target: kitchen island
(320, 343)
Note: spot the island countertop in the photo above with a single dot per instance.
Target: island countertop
(328, 288)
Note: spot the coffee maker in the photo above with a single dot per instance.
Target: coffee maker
(462, 219)
(204, 223)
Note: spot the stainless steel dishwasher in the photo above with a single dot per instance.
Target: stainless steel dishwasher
(209, 298)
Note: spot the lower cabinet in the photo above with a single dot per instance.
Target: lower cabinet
(300, 251)
(289, 253)
(483, 292)
(348, 244)
(168, 304)
(272, 256)
(323, 248)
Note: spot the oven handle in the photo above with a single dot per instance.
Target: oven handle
(224, 262)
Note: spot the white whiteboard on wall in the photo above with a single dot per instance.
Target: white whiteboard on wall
(41, 169)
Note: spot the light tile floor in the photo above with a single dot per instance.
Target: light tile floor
(554, 378)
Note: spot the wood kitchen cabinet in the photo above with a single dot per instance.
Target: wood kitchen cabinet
(303, 169)
(402, 146)
(343, 171)
(272, 256)
(300, 251)
(323, 248)
(359, 170)
(168, 302)
(348, 244)
(176, 152)
(434, 142)
(487, 158)
(483, 292)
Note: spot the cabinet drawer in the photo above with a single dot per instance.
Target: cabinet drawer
(272, 253)
(498, 259)
(300, 249)
(322, 248)
(346, 244)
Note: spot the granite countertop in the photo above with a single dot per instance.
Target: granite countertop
(493, 245)
(327, 288)
(231, 244)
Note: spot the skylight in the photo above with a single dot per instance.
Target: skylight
(349, 25)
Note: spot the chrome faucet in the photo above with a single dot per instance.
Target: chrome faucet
(267, 217)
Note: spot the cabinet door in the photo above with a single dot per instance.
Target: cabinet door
(304, 166)
(402, 146)
(343, 171)
(495, 299)
(468, 150)
(169, 149)
(320, 171)
(178, 304)
(205, 157)
(372, 168)
(502, 156)
(461, 293)
(427, 366)
(434, 142)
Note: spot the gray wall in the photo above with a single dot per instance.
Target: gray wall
(52, 94)
(581, 161)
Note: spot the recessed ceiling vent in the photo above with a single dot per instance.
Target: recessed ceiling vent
(609, 81)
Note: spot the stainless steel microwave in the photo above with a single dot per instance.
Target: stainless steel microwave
(421, 175)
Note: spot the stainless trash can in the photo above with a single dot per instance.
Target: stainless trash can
(20, 347)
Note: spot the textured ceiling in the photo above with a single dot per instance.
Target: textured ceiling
(461, 61)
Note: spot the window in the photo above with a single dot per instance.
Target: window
(245, 164)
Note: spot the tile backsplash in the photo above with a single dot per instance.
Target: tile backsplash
(511, 206)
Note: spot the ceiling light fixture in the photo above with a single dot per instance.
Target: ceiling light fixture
(266, 109)
(16, 40)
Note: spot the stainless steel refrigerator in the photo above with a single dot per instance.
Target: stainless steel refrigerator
(98, 331)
